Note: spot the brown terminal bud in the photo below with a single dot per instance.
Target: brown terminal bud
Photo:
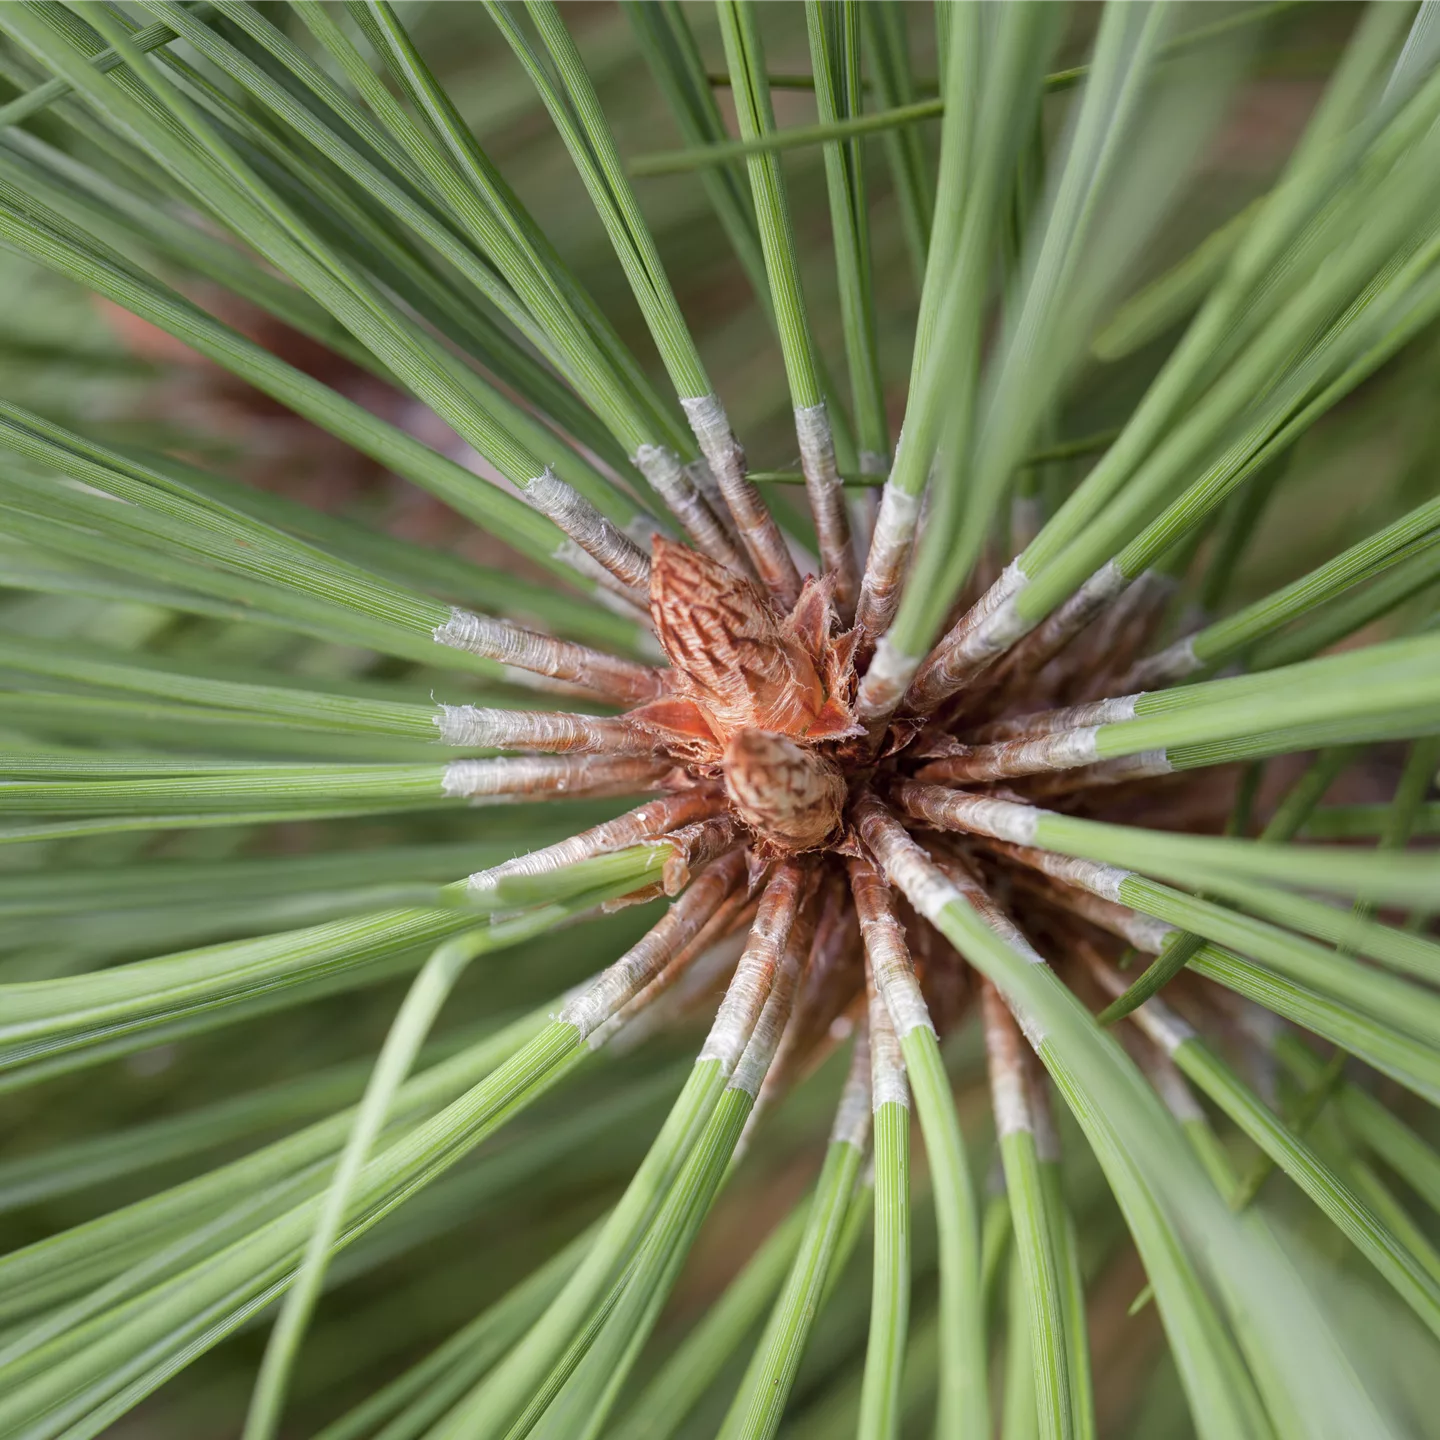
(792, 796)
(733, 655)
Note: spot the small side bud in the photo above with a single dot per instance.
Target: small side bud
(790, 795)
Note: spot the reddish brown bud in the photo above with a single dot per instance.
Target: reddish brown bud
(739, 662)
(729, 647)
(790, 795)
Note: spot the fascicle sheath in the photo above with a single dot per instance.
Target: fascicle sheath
(1052, 722)
(625, 979)
(754, 1064)
(675, 485)
(1006, 1060)
(625, 681)
(1056, 631)
(968, 883)
(758, 531)
(827, 503)
(555, 732)
(1091, 901)
(988, 629)
(885, 682)
(1064, 750)
(697, 845)
(852, 1115)
(645, 822)
(887, 954)
(755, 974)
(904, 863)
(601, 539)
(693, 973)
(792, 1049)
(1165, 667)
(524, 777)
(888, 1081)
(1143, 765)
(977, 814)
(1159, 1022)
(890, 544)
(1093, 875)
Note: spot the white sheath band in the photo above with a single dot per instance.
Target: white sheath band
(1007, 1097)
(817, 447)
(1000, 819)
(888, 1081)
(751, 1068)
(1052, 722)
(852, 1115)
(1179, 1099)
(1163, 1025)
(886, 680)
